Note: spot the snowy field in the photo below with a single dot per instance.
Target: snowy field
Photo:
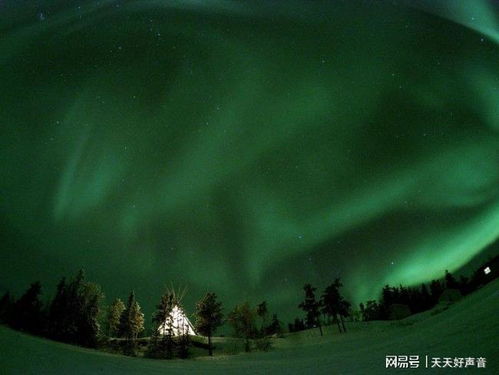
(469, 328)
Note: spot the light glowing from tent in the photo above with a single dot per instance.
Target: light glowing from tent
(181, 324)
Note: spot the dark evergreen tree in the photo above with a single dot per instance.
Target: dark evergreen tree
(208, 317)
(6, 303)
(344, 311)
(343, 305)
(311, 307)
(331, 303)
(58, 313)
(131, 324)
(362, 309)
(275, 326)
(388, 295)
(334, 305)
(137, 320)
(414, 300)
(162, 344)
(125, 329)
(26, 313)
(73, 313)
(464, 285)
(72, 309)
(88, 325)
(403, 295)
(299, 325)
(242, 319)
(425, 298)
(75, 304)
(113, 316)
(371, 311)
(184, 341)
(435, 290)
(355, 315)
(450, 281)
(262, 312)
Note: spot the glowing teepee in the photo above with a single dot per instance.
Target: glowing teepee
(178, 322)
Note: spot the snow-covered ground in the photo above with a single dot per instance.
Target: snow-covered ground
(469, 328)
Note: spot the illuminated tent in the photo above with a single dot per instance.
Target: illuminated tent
(180, 324)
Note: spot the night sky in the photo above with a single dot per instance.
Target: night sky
(246, 148)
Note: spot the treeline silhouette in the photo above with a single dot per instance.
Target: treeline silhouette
(395, 302)
(75, 316)
(427, 296)
(71, 316)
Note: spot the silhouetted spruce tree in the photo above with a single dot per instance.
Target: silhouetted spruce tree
(344, 311)
(162, 344)
(275, 326)
(208, 317)
(404, 295)
(343, 305)
(450, 281)
(154, 345)
(125, 327)
(311, 307)
(436, 290)
(334, 305)
(242, 319)
(421, 298)
(262, 312)
(58, 316)
(73, 312)
(26, 313)
(330, 303)
(425, 298)
(6, 303)
(114, 311)
(184, 341)
(411, 299)
(74, 290)
(299, 325)
(72, 309)
(464, 285)
(371, 311)
(88, 325)
(355, 315)
(137, 320)
(362, 309)
(131, 324)
(388, 295)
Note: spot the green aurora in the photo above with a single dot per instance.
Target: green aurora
(246, 147)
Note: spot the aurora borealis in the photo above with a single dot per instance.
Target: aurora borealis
(246, 147)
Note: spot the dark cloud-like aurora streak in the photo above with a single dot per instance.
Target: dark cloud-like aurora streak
(247, 147)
